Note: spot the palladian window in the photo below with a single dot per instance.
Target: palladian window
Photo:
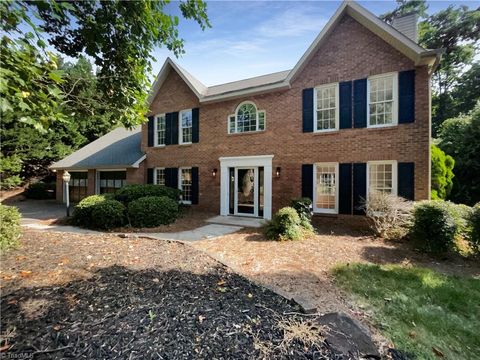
(247, 118)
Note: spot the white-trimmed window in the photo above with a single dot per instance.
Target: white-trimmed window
(326, 112)
(247, 118)
(159, 176)
(185, 125)
(185, 184)
(382, 177)
(326, 188)
(383, 100)
(160, 129)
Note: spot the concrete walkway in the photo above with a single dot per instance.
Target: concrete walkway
(242, 221)
(210, 231)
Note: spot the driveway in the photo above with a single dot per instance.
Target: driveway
(38, 211)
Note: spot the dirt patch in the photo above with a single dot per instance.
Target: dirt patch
(302, 269)
(101, 296)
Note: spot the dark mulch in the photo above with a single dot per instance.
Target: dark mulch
(122, 313)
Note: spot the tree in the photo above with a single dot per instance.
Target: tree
(458, 137)
(442, 173)
(405, 7)
(118, 35)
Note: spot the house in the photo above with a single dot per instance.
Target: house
(352, 116)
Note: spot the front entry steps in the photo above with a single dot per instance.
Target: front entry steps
(243, 221)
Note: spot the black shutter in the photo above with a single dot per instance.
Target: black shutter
(195, 125)
(360, 103)
(406, 96)
(406, 180)
(171, 177)
(307, 110)
(359, 187)
(168, 129)
(307, 181)
(345, 91)
(150, 131)
(150, 176)
(195, 185)
(174, 129)
(345, 189)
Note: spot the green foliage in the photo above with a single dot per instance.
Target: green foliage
(133, 192)
(10, 167)
(107, 214)
(151, 211)
(442, 173)
(286, 225)
(434, 226)
(40, 190)
(474, 228)
(405, 7)
(458, 137)
(82, 213)
(418, 308)
(303, 207)
(9, 227)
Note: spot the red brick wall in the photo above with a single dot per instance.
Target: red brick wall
(351, 52)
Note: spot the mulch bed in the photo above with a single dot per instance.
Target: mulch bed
(148, 300)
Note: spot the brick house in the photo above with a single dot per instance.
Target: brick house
(352, 116)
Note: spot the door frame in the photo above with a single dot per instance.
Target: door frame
(320, 210)
(255, 191)
(257, 161)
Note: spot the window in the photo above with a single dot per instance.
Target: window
(326, 108)
(160, 130)
(185, 126)
(111, 181)
(159, 176)
(382, 100)
(78, 186)
(326, 189)
(246, 119)
(185, 185)
(382, 177)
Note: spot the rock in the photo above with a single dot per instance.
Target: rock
(348, 337)
(396, 354)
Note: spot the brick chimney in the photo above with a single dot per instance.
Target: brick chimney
(407, 25)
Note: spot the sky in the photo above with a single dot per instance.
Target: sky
(252, 38)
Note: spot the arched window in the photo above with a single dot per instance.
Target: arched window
(246, 119)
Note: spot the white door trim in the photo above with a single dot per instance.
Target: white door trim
(264, 161)
(255, 191)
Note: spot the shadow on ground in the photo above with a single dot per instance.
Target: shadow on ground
(124, 313)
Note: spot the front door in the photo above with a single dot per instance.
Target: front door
(246, 191)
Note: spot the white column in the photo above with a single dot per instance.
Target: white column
(267, 183)
(224, 188)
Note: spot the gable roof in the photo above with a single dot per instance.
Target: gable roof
(120, 148)
(282, 80)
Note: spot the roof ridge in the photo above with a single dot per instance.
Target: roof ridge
(249, 78)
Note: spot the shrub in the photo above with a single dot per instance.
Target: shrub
(391, 215)
(9, 227)
(40, 190)
(286, 225)
(303, 207)
(152, 211)
(434, 226)
(108, 214)
(10, 168)
(82, 213)
(474, 228)
(129, 193)
(442, 173)
(461, 214)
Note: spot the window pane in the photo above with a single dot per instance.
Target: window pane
(380, 177)
(186, 184)
(246, 119)
(186, 126)
(326, 107)
(381, 100)
(325, 187)
(161, 177)
(161, 129)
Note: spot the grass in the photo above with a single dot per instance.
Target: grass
(424, 313)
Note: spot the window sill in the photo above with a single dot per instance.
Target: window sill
(378, 127)
(159, 146)
(326, 132)
(185, 144)
(247, 133)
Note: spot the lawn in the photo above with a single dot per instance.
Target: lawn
(424, 312)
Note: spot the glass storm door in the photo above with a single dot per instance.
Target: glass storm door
(246, 191)
(326, 188)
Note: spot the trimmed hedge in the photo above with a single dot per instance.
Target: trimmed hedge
(151, 211)
(474, 228)
(9, 227)
(40, 191)
(435, 224)
(82, 213)
(286, 225)
(108, 214)
(129, 193)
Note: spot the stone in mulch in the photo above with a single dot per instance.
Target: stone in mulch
(120, 313)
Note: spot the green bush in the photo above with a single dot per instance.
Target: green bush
(9, 227)
(10, 168)
(286, 225)
(108, 214)
(129, 193)
(151, 211)
(40, 190)
(474, 228)
(461, 214)
(434, 226)
(303, 207)
(442, 173)
(82, 213)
